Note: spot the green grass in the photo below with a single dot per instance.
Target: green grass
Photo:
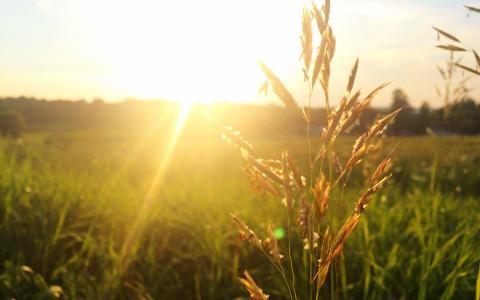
(70, 200)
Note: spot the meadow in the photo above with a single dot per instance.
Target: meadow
(161, 199)
(105, 214)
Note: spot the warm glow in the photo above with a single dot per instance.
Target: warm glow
(206, 50)
(191, 51)
(136, 227)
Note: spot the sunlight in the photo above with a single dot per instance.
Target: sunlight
(191, 51)
(234, 149)
(130, 243)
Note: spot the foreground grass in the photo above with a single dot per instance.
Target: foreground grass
(70, 205)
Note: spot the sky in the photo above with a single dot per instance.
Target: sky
(207, 50)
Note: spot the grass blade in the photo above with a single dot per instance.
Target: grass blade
(472, 8)
(467, 69)
(306, 38)
(446, 34)
(351, 80)
(477, 293)
(278, 88)
(477, 58)
(451, 47)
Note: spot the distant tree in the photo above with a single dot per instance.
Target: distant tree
(463, 117)
(400, 100)
(403, 122)
(423, 119)
(12, 124)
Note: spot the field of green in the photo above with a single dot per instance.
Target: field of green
(131, 215)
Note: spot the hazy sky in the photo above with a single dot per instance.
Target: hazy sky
(207, 49)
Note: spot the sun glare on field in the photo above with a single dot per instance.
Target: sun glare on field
(190, 51)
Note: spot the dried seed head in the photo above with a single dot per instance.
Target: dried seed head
(297, 175)
(326, 10)
(321, 192)
(342, 236)
(272, 245)
(286, 182)
(304, 222)
(319, 59)
(380, 125)
(353, 100)
(246, 233)
(255, 291)
(323, 264)
(259, 183)
(325, 200)
(359, 143)
(232, 136)
(321, 153)
(351, 79)
(382, 168)
(306, 39)
(376, 183)
(263, 168)
(359, 107)
(278, 88)
(321, 24)
(336, 163)
(319, 187)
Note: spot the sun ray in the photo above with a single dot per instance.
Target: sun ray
(131, 240)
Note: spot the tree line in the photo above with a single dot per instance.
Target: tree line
(23, 114)
(460, 117)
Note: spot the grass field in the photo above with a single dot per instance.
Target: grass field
(159, 198)
(78, 208)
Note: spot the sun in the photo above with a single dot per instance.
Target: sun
(190, 51)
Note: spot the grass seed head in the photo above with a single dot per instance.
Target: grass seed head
(263, 168)
(306, 39)
(304, 222)
(272, 245)
(232, 136)
(279, 88)
(246, 233)
(286, 182)
(259, 183)
(255, 291)
(297, 175)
